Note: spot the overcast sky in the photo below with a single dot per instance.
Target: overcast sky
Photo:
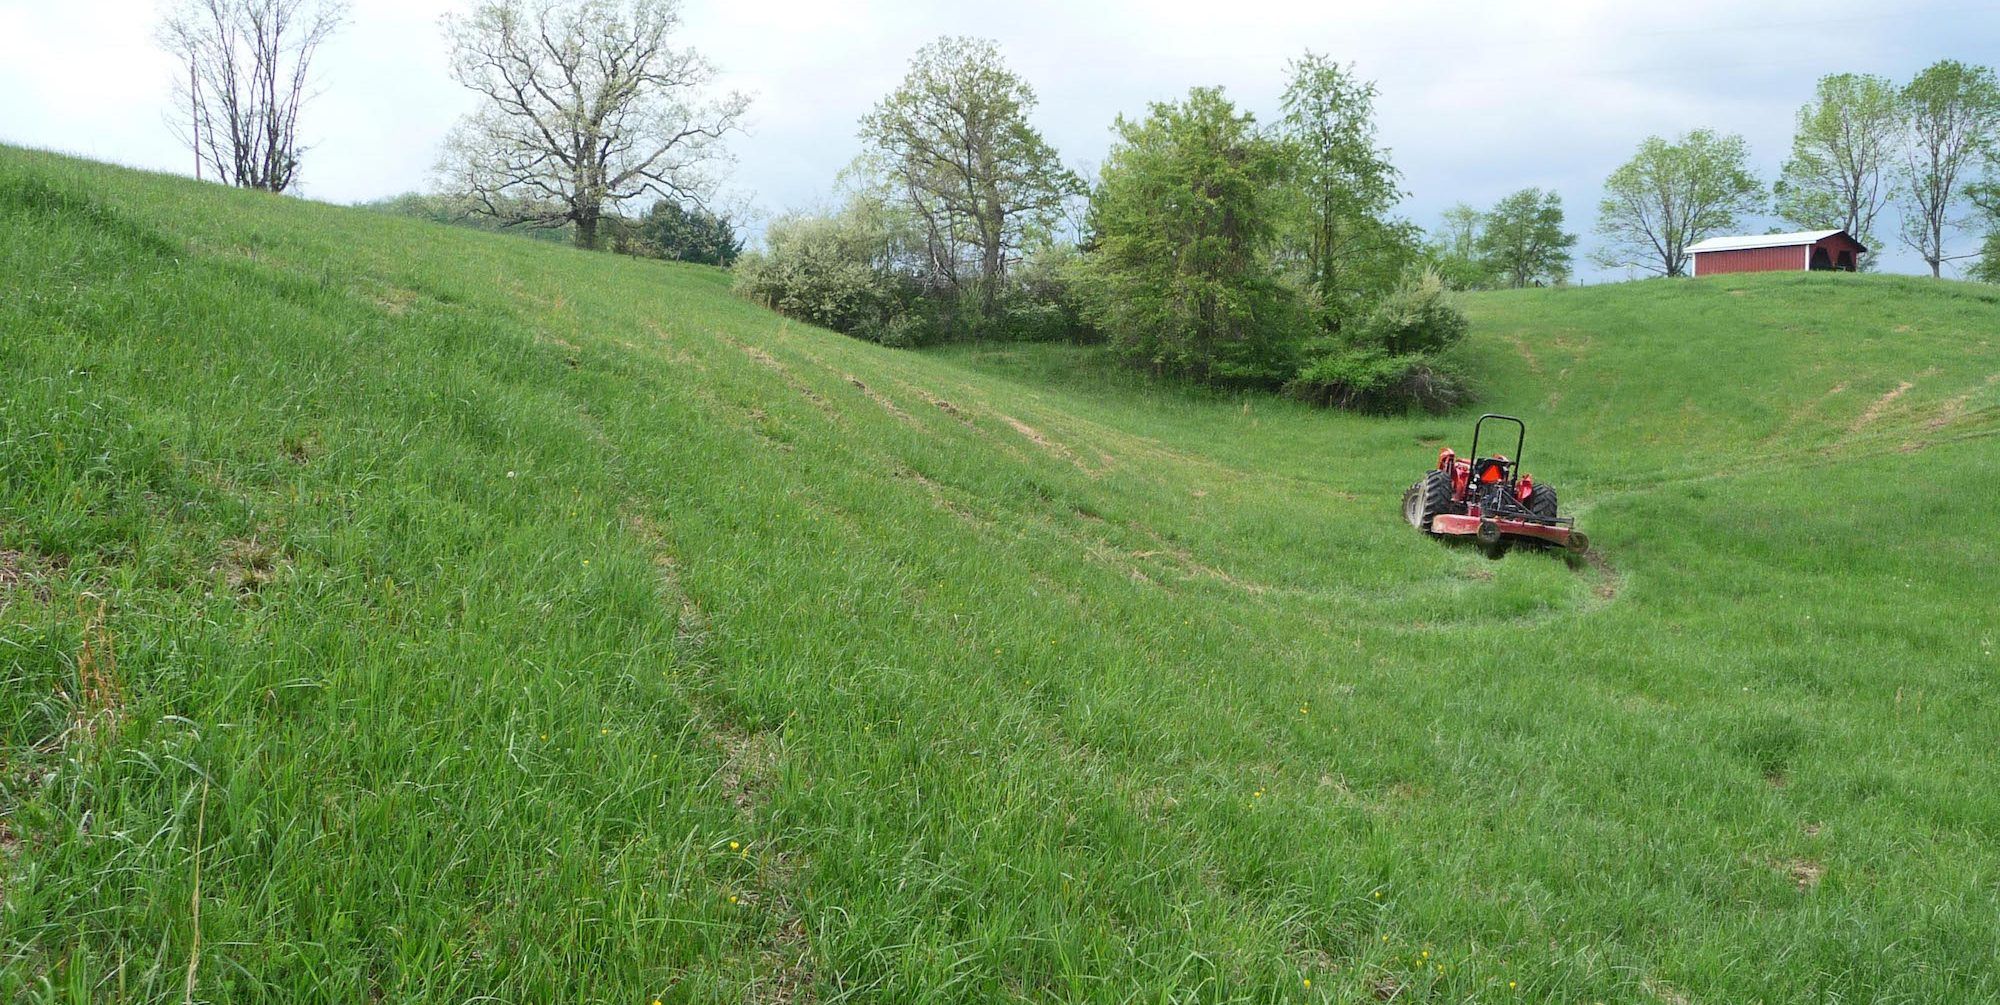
(1478, 98)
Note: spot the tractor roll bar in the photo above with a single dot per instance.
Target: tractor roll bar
(1520, 436)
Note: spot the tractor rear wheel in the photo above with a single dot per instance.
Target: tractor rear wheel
(1542, 502)
(1430, 496)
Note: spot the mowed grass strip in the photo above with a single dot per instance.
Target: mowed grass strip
(396, 612)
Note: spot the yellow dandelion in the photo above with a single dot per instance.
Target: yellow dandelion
(586, 561)
(545, 736)
(732, 898)
(1309, 982)
(656, 1001)
(605, 731)
(1427, 954)
(1378, 896)
(1384, 938)
(733, 846)
(1511, 985)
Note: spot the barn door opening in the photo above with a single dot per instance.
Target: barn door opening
(1845, 262)
(1820, 261)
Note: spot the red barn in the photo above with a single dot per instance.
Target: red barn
(1812, 249)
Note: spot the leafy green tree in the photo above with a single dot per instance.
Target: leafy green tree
(1523, 241)
(1846, 137)
(1185, 216)
(1453, 249)
(1953, 111)
(1986, 196)
(1671, 195)
(1338, 225)
(672, 231)
(954, 141)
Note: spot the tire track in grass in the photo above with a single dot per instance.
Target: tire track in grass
(786, 375)
(748, 767)
(884, 400)
(1876, 408)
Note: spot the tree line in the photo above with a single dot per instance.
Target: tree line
(1209, 245)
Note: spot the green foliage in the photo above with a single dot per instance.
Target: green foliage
(1395, 359)
(1986, 196)
(863, 271)
(954, 145)
(837, 272)
(676, 233)
(1335, 220)
(1042, 302)
(1845, 143)
(1953, 114)
(1522, 241)
(1453, 249)
(1671, 195)
(1185, 217)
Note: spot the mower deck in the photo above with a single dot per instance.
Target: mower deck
(1470, 525)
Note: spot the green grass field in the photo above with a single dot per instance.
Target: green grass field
(391, 612)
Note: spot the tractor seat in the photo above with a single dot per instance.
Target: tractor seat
(1488, 470)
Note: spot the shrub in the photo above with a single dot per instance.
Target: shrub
(1419, 316)
(1041, 301)
(821, 270)
(1394, 359)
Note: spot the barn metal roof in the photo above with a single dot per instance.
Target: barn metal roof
(1764, 241)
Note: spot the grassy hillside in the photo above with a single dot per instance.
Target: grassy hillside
(395, 612)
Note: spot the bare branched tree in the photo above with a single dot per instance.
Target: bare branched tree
(247, 65)
(586, 106)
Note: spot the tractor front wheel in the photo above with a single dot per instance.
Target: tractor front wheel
(1430, 496)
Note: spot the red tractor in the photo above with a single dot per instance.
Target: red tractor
(1489, 499)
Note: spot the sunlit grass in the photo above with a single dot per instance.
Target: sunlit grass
(485, 618)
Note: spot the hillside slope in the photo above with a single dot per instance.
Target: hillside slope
(393, 612)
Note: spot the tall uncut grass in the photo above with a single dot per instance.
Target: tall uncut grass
(391, 612)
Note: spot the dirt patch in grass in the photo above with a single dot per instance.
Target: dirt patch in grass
(1385, 987)
(247, 565)
(942, 499)
(1609, 581)
(15, 567)
(1953, 409)
(691, 622)
(1663, 991)
(1804, 873)
(1049, 446)
(25, 574)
